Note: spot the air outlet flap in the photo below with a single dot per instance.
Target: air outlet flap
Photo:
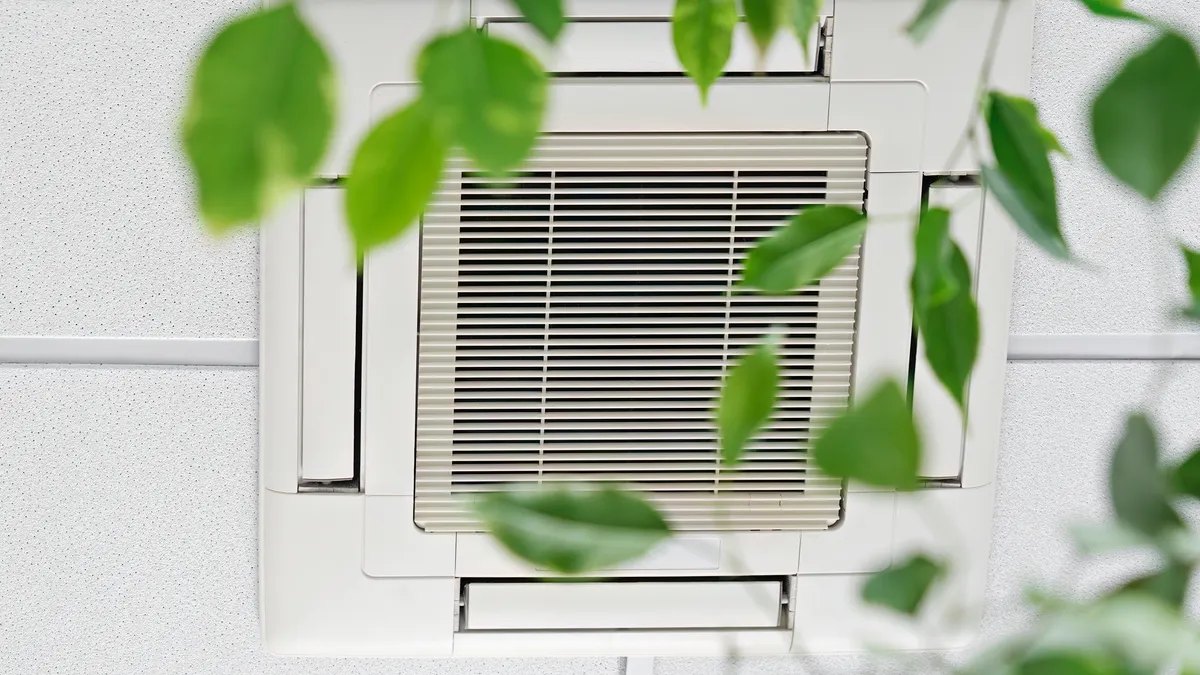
(634, 604)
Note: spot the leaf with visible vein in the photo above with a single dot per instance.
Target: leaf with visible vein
(747, 399)
(1031, 112)
(947, 317)
(702, 31)
(874, 442)
(394, 174)
(259, 116)
(573, 530)
(1023, 180)
(486, 94)
(812, 244)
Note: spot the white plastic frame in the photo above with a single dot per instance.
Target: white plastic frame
(330, 586)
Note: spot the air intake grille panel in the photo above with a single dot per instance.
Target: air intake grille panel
(575, 324)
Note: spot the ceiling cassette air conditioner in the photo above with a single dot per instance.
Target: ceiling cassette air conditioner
(572, 324)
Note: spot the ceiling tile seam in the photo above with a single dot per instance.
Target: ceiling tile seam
(132, 351)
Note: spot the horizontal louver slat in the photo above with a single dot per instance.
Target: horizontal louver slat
(576, 320)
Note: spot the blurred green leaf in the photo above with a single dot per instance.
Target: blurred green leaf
(903, 587)
(1146, 120)
(1192, 259)
(1185, 478)
(764, 18)
(487, 94)
(1169, 584)
(805, 15)
(1146, 631)
(1136, 482)
(1175, 543)
(702, 31)
(874, 442)
(921, 24)
(259, 116)
(1071, 663)
(947, 317)
(1111, 8)
(1022, 180)
(573, 531)
(810, 246)
(999, 658)
(1101, 538)
(545, 15)
(395, 171)
(747, 400)
(1029, 109)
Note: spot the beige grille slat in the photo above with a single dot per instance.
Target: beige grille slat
(576, 320)
(626, 344)
(567, 333)
(837, 182)
(600, 454)
(561, 388)
(646, 482)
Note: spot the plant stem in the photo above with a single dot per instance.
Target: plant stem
(969, 137)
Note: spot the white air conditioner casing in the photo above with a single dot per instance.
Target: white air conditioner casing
(527, 332)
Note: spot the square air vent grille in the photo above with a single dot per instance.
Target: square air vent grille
(576, 320)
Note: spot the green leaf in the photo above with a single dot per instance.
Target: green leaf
(805, 14)
(1139, 626)
(874, 442)
(1071, 663)
(764, 18)
(1023, 181)
(1137, 485)
(395, 171)
(1029, 109)
(998, 658)
(545, 15)
(702, 31)
(1175, 543)
(1192, 259)
(1096, 539)
(903, 587)
(1024, 213)
(1111, 8)
(259, 117)
(932, 282)
(573, 531)
(1169, 584)
(488, 94)
(950, 331)
(747, 400)
(810, 246)
(1185, 479)
(947, 317)
(1146, 121)
(921, 24)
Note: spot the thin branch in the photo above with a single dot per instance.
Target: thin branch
(969, 137)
